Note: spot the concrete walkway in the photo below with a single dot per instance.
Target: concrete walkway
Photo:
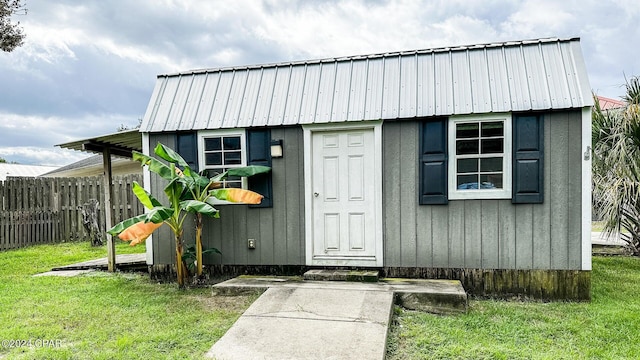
(299, 323)
(296, 319)
(122, 261)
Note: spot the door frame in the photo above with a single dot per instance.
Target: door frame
(308, 131)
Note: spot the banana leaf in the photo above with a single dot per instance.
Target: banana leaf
(155, 165)
(145, 198)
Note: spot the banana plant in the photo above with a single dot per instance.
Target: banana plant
(188, 192)
(203, 189)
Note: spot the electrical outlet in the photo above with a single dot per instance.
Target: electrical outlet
(251, 243)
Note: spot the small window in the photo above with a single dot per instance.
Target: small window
(480, 157)
(221, 151)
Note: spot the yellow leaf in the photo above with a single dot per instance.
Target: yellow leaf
(243, 196)
(138, 232)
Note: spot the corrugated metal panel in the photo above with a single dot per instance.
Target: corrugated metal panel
(426, 86)
(498, 80)
(373, 100)
(263, 105)
(325, 92)
(444, 81)
(179, 103)
(340, 107)
(201, 118)
(462, 97)
(295, 95)
(391, 94)
(515, 76)
(358, 91)
(219, 109)
(479, 76)
(192, 103)
(279, 99)
(536, 77)
(236, 96)
(408, 86)
(250, 98)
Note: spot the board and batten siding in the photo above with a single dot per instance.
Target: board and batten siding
(484, 234)
(278, 231)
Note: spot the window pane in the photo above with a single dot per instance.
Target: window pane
(491, 164)
(233, 184)
(213, 158)
(467, 165)
(232, 158)
(491, 181)
(232, 143)
(468, 130)
(212, 144)
(493, 128)
(214, 172)
(467, 181)
(466, 147)
(492, 146)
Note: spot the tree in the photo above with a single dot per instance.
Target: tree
(616, 166)
(182, 199)
(11, 35)
(2, 160)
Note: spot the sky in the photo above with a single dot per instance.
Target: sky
(88, 67)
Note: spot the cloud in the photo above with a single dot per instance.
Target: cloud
(87, 67)
(33, 155)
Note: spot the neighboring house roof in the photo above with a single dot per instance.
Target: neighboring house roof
(93, 166)
(607, 104)
(20, 170)
(537, 74)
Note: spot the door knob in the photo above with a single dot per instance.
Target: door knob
(315, 194)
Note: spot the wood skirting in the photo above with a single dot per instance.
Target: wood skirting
(574, 285)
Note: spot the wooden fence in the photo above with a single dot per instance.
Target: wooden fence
(49, 210)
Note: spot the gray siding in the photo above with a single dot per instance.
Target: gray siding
(479, 234)
(484, 234)
(279, 231)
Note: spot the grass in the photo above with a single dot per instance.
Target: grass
(605, 328)
(101, 315)
(126, 316)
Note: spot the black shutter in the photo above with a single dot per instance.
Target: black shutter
(528, 157)
(259, 153)
(433, 162)
(187, 147)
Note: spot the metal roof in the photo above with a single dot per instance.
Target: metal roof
(121, 143)
(608, 104)
(19, 170)
(539, 74)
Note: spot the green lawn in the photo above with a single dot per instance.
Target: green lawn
(606, 328)
(101, 315)
(126, 316)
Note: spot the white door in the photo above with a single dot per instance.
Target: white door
(343, 181)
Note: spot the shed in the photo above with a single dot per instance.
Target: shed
(468, 162)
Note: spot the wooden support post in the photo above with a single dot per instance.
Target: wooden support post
(108, 194)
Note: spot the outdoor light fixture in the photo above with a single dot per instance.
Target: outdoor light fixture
(276, 148)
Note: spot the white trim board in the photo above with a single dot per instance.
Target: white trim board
(586, 189)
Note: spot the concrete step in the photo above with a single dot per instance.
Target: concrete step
(342, 275)
(434, 296)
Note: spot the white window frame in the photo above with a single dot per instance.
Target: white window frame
(203, 134)
(472, 194)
